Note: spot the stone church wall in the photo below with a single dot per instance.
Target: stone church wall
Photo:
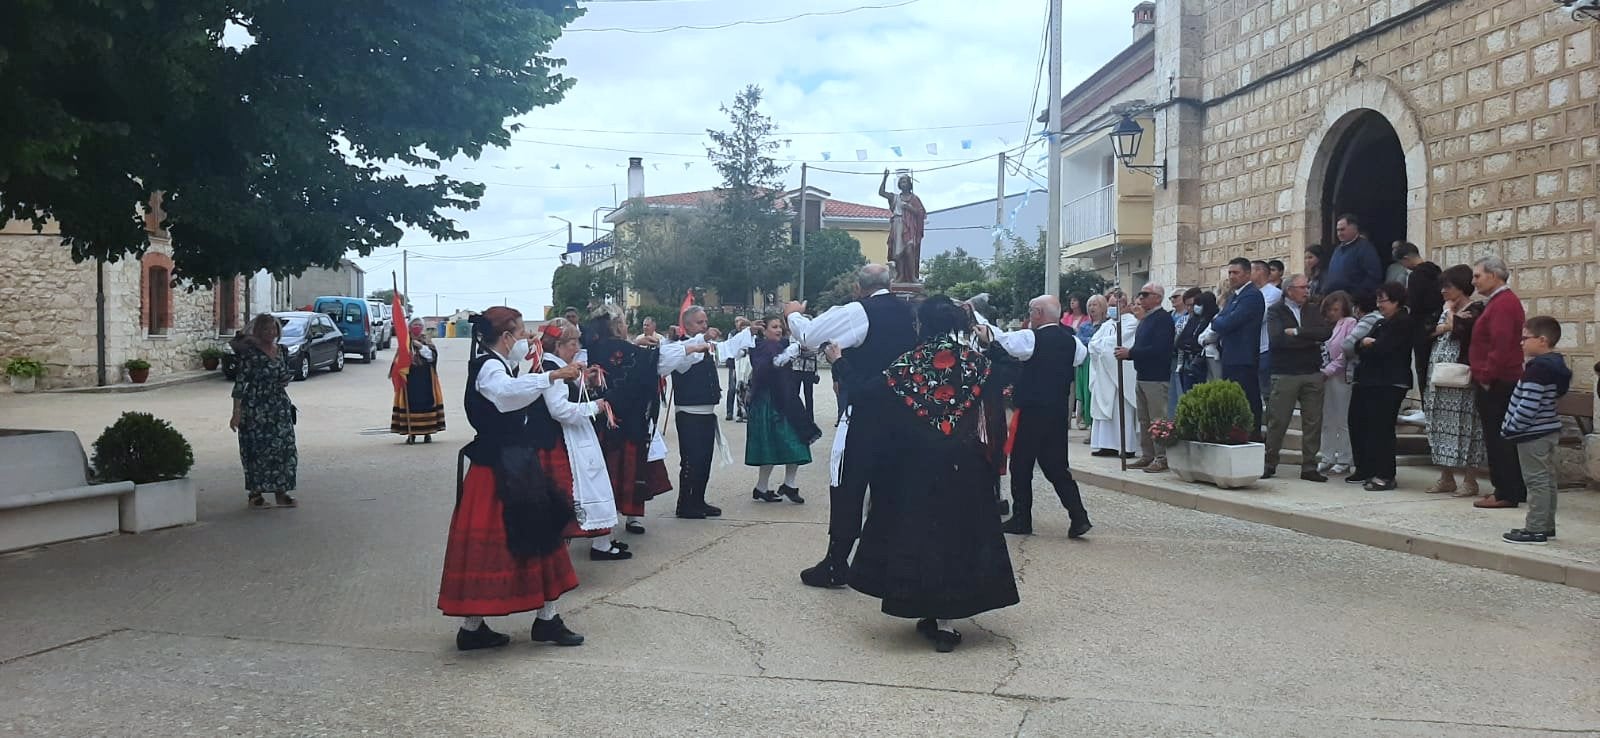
(1501, 96)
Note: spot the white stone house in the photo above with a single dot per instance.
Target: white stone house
(50, 310)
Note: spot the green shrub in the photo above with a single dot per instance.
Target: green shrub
(665, 315)
(133, 364)
(23, 366)
(141, 448)
(211, 352)
(1215, 412)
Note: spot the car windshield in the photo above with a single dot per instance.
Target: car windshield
(293, 327)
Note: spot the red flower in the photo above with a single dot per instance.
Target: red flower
(918, 378)
(944, 425)
(921, 413)
(977, 391)
(944, 359)
(944, 393)
(910, 402)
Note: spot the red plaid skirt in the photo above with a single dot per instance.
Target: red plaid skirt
(481, 577)
(558, 467)
(634, 481)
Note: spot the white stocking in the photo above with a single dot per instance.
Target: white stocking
(791, 474)
(945, 625)
(601, 543)
(548, 612)
(764, 478)
(471, 623)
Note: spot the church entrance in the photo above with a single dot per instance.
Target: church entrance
(1366, 176)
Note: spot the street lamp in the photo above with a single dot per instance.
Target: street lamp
(1126, 136)
(569, 226)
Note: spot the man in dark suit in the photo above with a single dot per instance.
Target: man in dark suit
(1354, 266)
(1296, 330)
(1239, 327)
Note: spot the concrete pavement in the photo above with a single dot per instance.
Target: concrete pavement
(321, 620)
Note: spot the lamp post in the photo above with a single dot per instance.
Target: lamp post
(569, 226)
(1126, 136)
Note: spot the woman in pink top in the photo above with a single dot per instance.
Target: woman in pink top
(1336, 453)
(1075, 314)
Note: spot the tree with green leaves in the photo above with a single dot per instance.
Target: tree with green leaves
(748, 247)
(951, 268)
(387, 298)
(665, 254)
(830, 252)
(583, 286)
(262, 126)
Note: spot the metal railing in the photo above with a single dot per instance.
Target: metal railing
(1090, 216)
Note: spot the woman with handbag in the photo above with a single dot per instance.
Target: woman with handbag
(263, 416)
(419, 406)
(1193, 365)
(1455, 434)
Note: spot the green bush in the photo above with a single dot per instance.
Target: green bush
(211, 352)
(133, 364)
(1215, 412)
(23, 366)
(665, 315)
(141, 448)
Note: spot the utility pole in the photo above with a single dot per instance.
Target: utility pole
(435, 303)
(405, 271)
(802, 294)
(1052, 249)
(999, 207)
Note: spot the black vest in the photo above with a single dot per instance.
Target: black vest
(698, 385)
(495, 429)
(543, 430)
(1046, 379)
(891, 331)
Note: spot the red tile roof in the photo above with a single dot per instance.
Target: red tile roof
(830, 207)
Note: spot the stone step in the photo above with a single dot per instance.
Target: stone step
(1291, 457)
(1407, 441)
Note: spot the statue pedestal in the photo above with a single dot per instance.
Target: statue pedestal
(907, 290)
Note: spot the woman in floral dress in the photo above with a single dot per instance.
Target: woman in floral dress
(1454, 432)
(262, 414)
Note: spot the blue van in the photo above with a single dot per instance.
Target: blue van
(354, 317)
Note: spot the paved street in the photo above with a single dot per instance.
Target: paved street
(321, 620)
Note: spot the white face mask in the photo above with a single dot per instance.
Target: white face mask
(519, 350)
(1197, 310)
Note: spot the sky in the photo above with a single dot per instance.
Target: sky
(926, 72)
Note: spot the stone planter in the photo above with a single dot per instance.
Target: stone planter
(23, 384)
(138, 376)
(1227, 467)
(158, 505)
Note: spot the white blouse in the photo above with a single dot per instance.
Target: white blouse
(509, 393)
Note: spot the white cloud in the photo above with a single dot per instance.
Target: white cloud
(929, 64)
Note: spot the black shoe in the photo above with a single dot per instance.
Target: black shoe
(1005, 507)
(1269, 472)
(767, 496)
(944, 641)
(1129, 455)
(1313, 476)
(427, 439)
(619, 544)
(1103, 452)
(1527, 537)
(1078, 530)
(1377, 485)
(689, 509)
(826, 573)
(555, 631)
(635, 527)
(1020, 525)
(711, 511)
(793, 493)
(926, 627)
(472, 640)
(1355, 479)
(617, 553)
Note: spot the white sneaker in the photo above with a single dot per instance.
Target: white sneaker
(1414, 417)
(1338, 469)
(1324, 467)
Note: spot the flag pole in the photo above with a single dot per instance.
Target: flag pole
(403, 400)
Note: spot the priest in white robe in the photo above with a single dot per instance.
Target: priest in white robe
(1104, 435)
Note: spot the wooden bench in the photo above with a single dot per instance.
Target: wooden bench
(1580, 407)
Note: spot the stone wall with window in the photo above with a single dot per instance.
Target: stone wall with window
(1496, 107)
(48, 304)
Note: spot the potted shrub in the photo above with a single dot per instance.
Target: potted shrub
(1213, 437)
(24, 373)
(138, 370)
(149, 452)
(211, 358)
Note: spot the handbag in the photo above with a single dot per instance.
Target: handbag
(658, 447)
(1450, 374)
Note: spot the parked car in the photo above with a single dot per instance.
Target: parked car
(354, 317)
(309, 341)
(382, 322)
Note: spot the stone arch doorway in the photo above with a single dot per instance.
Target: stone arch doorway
(1366, 177)
(1368, 127)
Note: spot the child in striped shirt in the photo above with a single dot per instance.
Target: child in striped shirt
(1532, 424)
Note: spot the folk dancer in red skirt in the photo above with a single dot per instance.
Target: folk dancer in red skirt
(631, 374)
(505, 552)
(562, 424)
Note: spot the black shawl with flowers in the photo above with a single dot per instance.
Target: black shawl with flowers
(941, 380)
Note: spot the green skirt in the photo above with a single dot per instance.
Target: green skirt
(1081, 389)
(769, 439)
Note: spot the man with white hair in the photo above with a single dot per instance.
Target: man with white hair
(1151, 354)
(1495, 357)
(872, 332)
(1050, 355)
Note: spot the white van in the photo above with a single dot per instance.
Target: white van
(382, 322)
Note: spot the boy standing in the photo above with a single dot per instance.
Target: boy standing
(1532, 424)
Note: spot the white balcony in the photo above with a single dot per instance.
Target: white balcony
(1089, 216)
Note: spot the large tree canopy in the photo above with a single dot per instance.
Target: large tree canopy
(262, 123)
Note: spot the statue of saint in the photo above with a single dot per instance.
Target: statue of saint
(905, 228)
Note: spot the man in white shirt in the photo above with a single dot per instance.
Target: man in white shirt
(1272, 294)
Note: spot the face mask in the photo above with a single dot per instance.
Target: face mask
(1111, 313)
(416, 331)
(1197, 310)
(519, 350)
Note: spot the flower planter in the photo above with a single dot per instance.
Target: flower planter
(211, 363)
(158, 505)
(1227, 467)
(138, 376)
(23, 384)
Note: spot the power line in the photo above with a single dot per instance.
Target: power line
(781, 132)
(960, 163)
(702, 156)
(754, 22)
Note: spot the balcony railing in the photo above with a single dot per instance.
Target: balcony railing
(1090, 216)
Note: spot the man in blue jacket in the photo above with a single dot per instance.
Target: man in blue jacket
(1151, 354)
(1239, 327)
(1355, 267)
